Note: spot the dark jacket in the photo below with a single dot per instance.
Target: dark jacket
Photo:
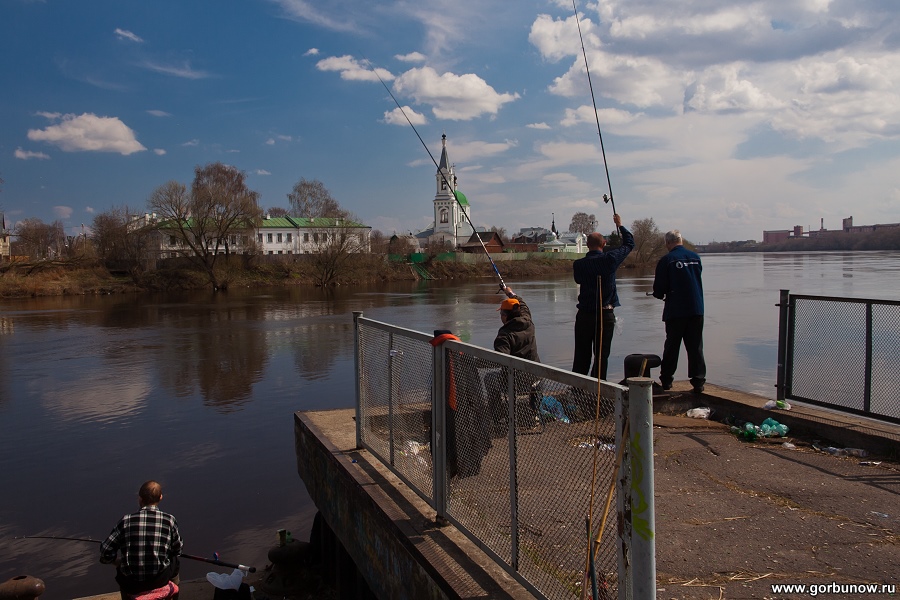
(604, 264)
(678, 281)
(517, 337)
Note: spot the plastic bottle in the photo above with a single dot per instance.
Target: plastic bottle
(751, 432)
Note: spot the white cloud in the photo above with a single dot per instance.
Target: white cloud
(262, 172)
(89, 133)
(337, 19)
(124, 34)
(474, 150)
(455, 97)
(311, 52)
(352, 69)
(28, 154)
(411, 57)
(194, 142)
(159, 152)
(159, 113)
(606, 116)
(184, 71)
(738, 210)
(538, 126)
(62, 212)
(270, 142)
(395, 117)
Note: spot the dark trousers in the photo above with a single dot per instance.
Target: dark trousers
(690, 331)
(129, 586)
(586, 335)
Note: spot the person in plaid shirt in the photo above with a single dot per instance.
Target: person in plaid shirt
(149, 543)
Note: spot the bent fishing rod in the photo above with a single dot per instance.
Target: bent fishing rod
(212, 561)
(596, 116)
(443, 176)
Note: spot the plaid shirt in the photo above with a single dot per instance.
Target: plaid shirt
(148, 539)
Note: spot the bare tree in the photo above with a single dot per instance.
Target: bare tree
(125, 239)
(378, 242)
(39, 240)
(501, 232)
(277, 211)
(582, 223)
(335, 247)
(311, 199)
(649, 242)
(219, 206)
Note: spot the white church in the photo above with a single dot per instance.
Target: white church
(452, 215)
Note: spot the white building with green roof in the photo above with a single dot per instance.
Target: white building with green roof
(452, 211)
(284, 236)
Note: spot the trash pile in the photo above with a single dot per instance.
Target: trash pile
(768, 428)
(551, 409)
(777, 404)
(858, 452)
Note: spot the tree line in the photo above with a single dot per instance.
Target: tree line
(204, 218)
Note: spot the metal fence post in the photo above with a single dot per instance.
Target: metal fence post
(439, 430)
(643, 513)
(392, 397)
(357, 314)
(513, 467)
(782, 342)
(623, 500)
(867, 392)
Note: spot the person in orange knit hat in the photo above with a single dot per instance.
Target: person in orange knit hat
(516, 337)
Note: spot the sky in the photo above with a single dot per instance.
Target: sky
(718, 118)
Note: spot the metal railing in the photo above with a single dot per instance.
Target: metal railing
(843, 353)
(510, 452)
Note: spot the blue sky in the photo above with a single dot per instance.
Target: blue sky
(719, 118)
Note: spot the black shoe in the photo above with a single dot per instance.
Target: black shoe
(666, 386)
(698, 389)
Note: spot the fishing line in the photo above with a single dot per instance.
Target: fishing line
(214, 561)
(444, 177)
(596, 116)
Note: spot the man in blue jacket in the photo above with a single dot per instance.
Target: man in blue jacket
(597, 264)
(679, 283)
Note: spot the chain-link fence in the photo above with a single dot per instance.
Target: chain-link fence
(841, 352)
(526, 459)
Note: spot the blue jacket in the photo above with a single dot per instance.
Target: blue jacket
(604, 264)
(678, 282)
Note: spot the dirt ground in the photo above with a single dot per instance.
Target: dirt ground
(733, 518)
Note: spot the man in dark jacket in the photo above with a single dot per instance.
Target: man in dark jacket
(516, 336)
(679, 283)
(597, 264)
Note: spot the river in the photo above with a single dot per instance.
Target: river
(98, 394)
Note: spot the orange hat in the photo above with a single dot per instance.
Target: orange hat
(509, 304)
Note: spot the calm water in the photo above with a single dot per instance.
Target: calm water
(198, 391)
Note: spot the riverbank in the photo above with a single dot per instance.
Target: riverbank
(80, 277)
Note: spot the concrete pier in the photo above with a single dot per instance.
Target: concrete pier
(384, 526)
(732, 517)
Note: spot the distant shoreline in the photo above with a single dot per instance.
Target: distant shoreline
(87, 278)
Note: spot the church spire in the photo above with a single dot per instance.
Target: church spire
(445, 160)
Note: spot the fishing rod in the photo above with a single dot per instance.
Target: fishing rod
(444, 177)
(212, 561)
(606, 199)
